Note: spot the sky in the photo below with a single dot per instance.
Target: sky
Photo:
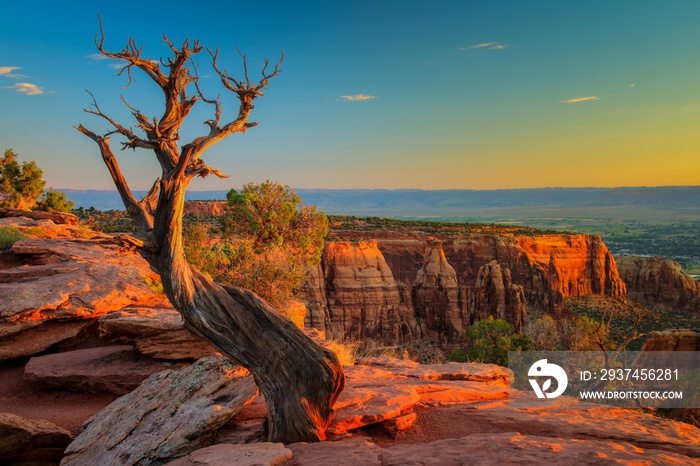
(376, 94)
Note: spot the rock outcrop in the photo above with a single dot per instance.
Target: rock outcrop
(27, 441)
(509, 448)
(155, 332)
(653, 280)
(394, 289)
(57, 285)
(362, 297)
(105, 369)
(56, 218)
(205, 208)
(673, 340)
(436, 296)
(257, 454)
(438, 414)
(170, 415)
(495, 295)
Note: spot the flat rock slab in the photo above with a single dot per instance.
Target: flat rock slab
(510, 448)
(38, 338)
(24, 440)
(458, 371)
(380, 392)
(358, 407)
(110, 369)
(155, 332)
(258, 454)
(87, 279)
(567, 417)
(171, 414)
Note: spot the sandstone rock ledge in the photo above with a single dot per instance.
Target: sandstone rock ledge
(392, 412)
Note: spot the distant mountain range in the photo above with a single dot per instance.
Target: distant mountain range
(683, 201)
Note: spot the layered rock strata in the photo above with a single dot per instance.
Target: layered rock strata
(653, 280)
(397, 289)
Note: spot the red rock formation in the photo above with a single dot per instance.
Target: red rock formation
(58, 218)
(363, 298)
(496, 295)
(111, 369)
(452, 283)
(548, 267)
(317, 315)
(653, 280)
(436, 297)
(673, 340)
(205, 208)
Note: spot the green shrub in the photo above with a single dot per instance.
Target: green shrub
(54, 201)
(457, 355)
(9, 236)
(493, 338)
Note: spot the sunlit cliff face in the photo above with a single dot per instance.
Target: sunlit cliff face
(397, 289)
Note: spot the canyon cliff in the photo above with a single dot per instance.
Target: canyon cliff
(394, 288)
(654, 280)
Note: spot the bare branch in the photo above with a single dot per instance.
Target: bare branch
(135, 209)
(132, 55)
(199, 168)
(134, 141)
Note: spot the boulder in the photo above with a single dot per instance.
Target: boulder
(111, 369)
(171, 414)
(24, 440)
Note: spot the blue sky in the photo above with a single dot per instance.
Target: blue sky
(379, 94)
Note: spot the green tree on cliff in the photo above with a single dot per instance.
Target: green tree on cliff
(54, 201)
(272, 215)
(269, 238)
(20, 185)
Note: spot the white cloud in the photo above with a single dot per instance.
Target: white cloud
(580, 99)
(357, 97)
(7, 71)
(97, 56)
(26, 88)
(487, 46)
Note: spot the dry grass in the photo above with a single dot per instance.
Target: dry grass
(346, 351)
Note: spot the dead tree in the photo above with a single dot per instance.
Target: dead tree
(300, 380)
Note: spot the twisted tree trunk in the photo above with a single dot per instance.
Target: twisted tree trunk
(300, 380)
